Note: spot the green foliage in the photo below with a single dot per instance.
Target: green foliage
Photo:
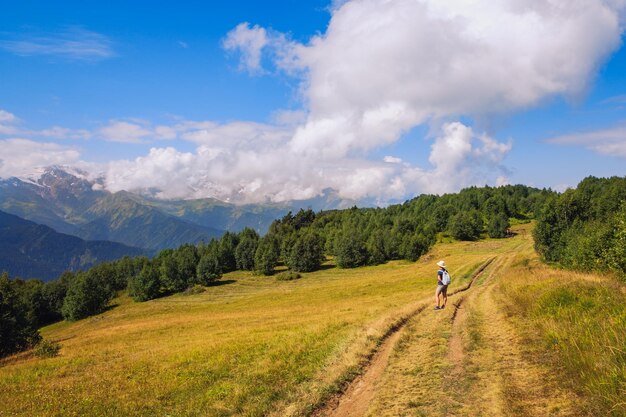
(466, 226)
(498, 225)
(288, 276)
(584, 228)
(209, 268)
(266, 255)
(227, 245)
(307, 253)
(170, 276)
(88, 294)
(54, 293)
(17, 332)
(47, 349)
(146, 285)
(413, 247)
(350, 250)
(196, 289)
(245, 252)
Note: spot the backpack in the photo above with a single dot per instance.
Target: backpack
(445, 279)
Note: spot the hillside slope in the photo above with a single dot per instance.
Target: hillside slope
(30, 250)
(256, 346)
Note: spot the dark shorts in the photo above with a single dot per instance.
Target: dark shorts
(442, 289)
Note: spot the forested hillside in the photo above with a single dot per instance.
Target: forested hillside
(585, 228)
(30, 250)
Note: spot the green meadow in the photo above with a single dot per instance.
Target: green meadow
(254, 346)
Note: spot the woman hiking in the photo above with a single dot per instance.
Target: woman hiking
(443, 280)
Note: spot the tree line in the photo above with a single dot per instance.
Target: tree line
(585, 228)
(301, 242)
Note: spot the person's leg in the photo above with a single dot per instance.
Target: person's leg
(437, 295)
(444, 293)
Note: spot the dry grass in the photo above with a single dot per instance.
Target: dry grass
(247, 347)
(255, 346)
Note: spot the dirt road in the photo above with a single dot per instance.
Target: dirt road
(466, 360)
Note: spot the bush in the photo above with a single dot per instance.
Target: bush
(288, 276)
(47, 349)
(196, 289)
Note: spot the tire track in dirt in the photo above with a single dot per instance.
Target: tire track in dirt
(491, 376)
(355, 399)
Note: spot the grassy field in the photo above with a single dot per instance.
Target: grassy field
(255, 346)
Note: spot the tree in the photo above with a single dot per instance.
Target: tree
(87, 294)
(54, 293)
(307, 253)
(227, 245)
(146, 285)
(376, 248)
(414, 246)
(498, 226)
(266, 255)
(350, 250)
(244, 253)
(16, 331)
(466, 226)
(209, 268)
(170, 276)
(187, 261)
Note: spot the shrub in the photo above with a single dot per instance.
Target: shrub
(47, 349)
(288, 276)
(196, 289)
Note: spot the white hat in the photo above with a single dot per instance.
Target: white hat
(441, 264)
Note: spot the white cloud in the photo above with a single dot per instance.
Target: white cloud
(123, 131)
(610, 141)
(249, 41)
(264, 169)
(6, 117)
(74, 42)
(380, 69)
(392, 159)
(384, 67)
(20, 156)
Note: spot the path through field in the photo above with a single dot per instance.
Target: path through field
(466, 360)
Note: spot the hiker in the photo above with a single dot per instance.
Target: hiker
(443, 279)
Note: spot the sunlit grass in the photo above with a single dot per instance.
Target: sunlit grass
(245, 347)
(577, 323)
(258, 346)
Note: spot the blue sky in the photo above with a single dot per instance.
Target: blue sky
(143, 91)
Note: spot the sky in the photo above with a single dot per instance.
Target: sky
(378, 100)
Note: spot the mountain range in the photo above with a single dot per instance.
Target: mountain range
(71, 201)
(32, 250)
